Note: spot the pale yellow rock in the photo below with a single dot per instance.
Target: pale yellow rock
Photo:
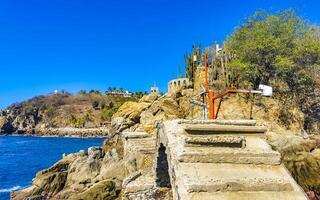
(150, 98)
(131, 111)
(2, 121)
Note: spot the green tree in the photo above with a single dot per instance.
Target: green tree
(82, 92)
(95, 92)
(95, 104)
(283, 50)
(264, 46)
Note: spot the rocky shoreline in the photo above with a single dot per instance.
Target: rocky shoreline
(64, 132)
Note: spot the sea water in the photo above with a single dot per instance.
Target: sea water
(21, 157)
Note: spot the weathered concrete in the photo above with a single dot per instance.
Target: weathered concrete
(219, 140)
(201, 169)
(221, 129)
(139, 151)
(220, 122)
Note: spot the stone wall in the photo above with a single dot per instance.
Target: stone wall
(178, 84)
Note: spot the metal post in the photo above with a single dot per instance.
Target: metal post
(211, 105)
(206, 73)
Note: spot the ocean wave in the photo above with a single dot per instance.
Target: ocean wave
(23, 142)
(10, 189)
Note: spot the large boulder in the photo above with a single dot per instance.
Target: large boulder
(149, 98)
(82, 171)
(106, 190)
(131, 111)
(6, 126)
(79, 176)
(169, 106)
(144, 114)
(51, 181)
(301, 157)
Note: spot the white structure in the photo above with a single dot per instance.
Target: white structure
(177, 84)
(122, 94)
(154, 90)
(56, 92)
(217, 48)
(266, 90)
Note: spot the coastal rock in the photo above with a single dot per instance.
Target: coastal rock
(99, 172)
(95, 152)
(149, 98)
(148, 120)
(52, 180)
(82, 171)
(171, 108)
(106, 190)
(5, 125)
(301, 157)
(131, 111)
(79, 176)
(144, 114)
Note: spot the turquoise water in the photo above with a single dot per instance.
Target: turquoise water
(21, 157)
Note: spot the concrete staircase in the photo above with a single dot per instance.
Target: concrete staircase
(224, 160)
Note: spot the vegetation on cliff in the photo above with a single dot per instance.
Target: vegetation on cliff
(84, 110)
(282, 50)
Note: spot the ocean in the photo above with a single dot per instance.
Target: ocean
(21, 157)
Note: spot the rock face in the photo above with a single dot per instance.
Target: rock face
(127, 164)
(143, 115)
(301, 157)
(5, 125)
(83, 175)
(45, 112)
(18, 119)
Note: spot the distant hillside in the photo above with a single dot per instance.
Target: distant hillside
(84, 110)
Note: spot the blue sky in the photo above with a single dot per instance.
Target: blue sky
(78, 44)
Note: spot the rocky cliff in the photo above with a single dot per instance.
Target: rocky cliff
(51, 114)
(103, 172)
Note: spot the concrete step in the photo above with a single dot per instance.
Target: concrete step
(242, 122)
(235, 122)
(215, 177)
(246, 196)
(257, 151)
(142, 183)
(216, 141)
(208, 129)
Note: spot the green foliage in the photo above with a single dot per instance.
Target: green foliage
(107, 113)
(264, 46)
(280, 49)
(49, 112)
(95, 104)
(192, 60)
(82, 92)
(77, 122)
(138, 95)
(97, 92)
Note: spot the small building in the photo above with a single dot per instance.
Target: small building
(120, 94)
(154, 89)
(178, 84)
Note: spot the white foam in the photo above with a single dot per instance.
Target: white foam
(10, 189)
